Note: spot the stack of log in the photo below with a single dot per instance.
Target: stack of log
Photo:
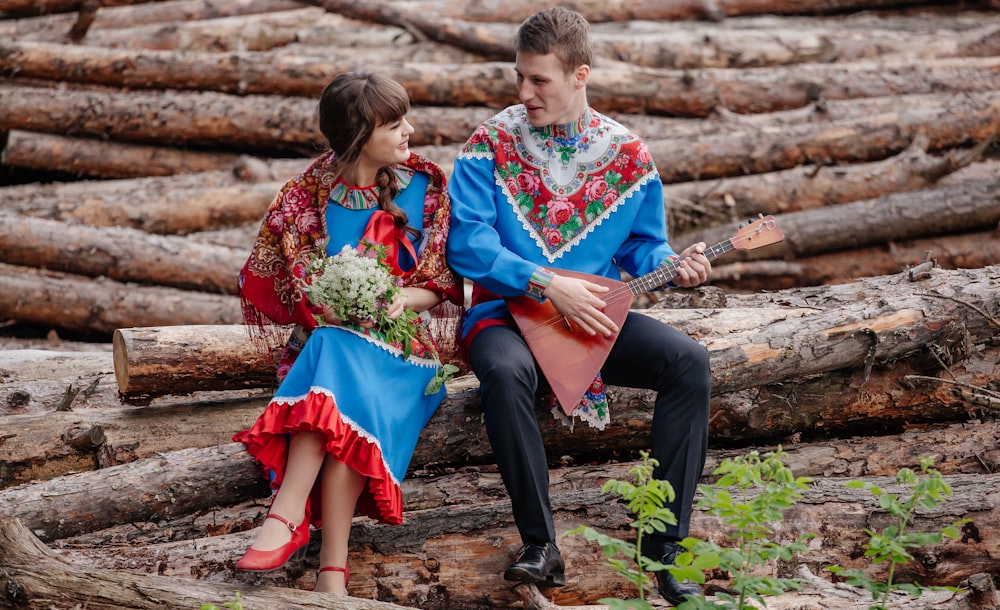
(869, 337)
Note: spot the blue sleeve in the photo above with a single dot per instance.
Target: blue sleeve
(647, 242)
(475, 249)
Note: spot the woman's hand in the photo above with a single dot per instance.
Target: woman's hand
(417, 299)
(331, 319)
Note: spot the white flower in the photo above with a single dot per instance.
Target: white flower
(358, 288)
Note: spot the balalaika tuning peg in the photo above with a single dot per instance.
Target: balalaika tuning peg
(742, 225)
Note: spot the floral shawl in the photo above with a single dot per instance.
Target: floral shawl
(294, 228)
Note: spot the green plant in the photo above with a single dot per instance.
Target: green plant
(645, 499)
(752, 492)
(236, 604)
(893, 544)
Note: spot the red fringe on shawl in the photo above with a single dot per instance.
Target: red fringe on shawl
(267, 442)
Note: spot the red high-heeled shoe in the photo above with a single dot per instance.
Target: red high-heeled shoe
(267, 561)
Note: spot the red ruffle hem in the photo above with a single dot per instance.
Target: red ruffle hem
(267, 441)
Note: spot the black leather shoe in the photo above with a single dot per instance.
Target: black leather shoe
(538, 564)
(669, 588)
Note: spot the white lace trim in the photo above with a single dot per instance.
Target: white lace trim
(347, 420)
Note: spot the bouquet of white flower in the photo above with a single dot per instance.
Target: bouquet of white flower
(358, 287)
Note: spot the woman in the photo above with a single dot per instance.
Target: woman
(337, 437)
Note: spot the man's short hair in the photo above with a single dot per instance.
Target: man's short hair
(557, 30)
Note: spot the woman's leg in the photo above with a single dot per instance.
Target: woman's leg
(305, 458)
(341, 486)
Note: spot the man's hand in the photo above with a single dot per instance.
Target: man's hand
(577, 300)
(694, 267)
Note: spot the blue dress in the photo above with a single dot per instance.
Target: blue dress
(339, 385)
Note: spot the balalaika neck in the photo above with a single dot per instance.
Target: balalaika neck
(668, 269)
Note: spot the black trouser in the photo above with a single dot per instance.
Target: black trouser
(647, 354)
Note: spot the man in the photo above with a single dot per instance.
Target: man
(552, 184)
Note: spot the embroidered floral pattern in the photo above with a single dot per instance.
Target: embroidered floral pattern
(294, 226)
(365, 198)
(562, 180)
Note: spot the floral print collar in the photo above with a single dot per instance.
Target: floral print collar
(365, 197)
(563, 180)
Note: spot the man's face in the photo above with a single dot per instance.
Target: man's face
(550, 95)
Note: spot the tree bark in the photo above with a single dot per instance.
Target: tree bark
(970, 250)
(867, 138)
(699, 204)
(46, 446)
(952, 122)
(616, 87)
(950, 381)
(120, 254)
(406, 563)
(144, 358)
(969, 207)
(658, 43)
(175, 204)
(53, 27)
(516, 11)
(14, 8)
(34, 576)
(273, 123)
(63, 300)
(99, 158)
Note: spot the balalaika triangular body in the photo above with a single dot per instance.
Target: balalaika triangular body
(571, 359)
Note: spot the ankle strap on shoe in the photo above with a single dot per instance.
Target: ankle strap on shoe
(291, 526)
(345, 570)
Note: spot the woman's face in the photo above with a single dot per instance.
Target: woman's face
(388, 144)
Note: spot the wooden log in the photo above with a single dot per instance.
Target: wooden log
(462, 549)
(34, 576)
(737, 43)
(758, 42)
(42, 381)
(42, 447)
(16, 8)
(120, 254)
(175, 204)
(960, 448)
(63, 300)
(617, 87)
(696, 204)
(253, 32)
(53, 27)
(96, 158)
(171, 211)
(964, 207)
(918, 388)
(864, 139)
(753, 330)
(82, 381)
(967, 250)
(143, 357)
(263, 122)
(492, 43)
(516, 11)
(169, 484)
(951, 122)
